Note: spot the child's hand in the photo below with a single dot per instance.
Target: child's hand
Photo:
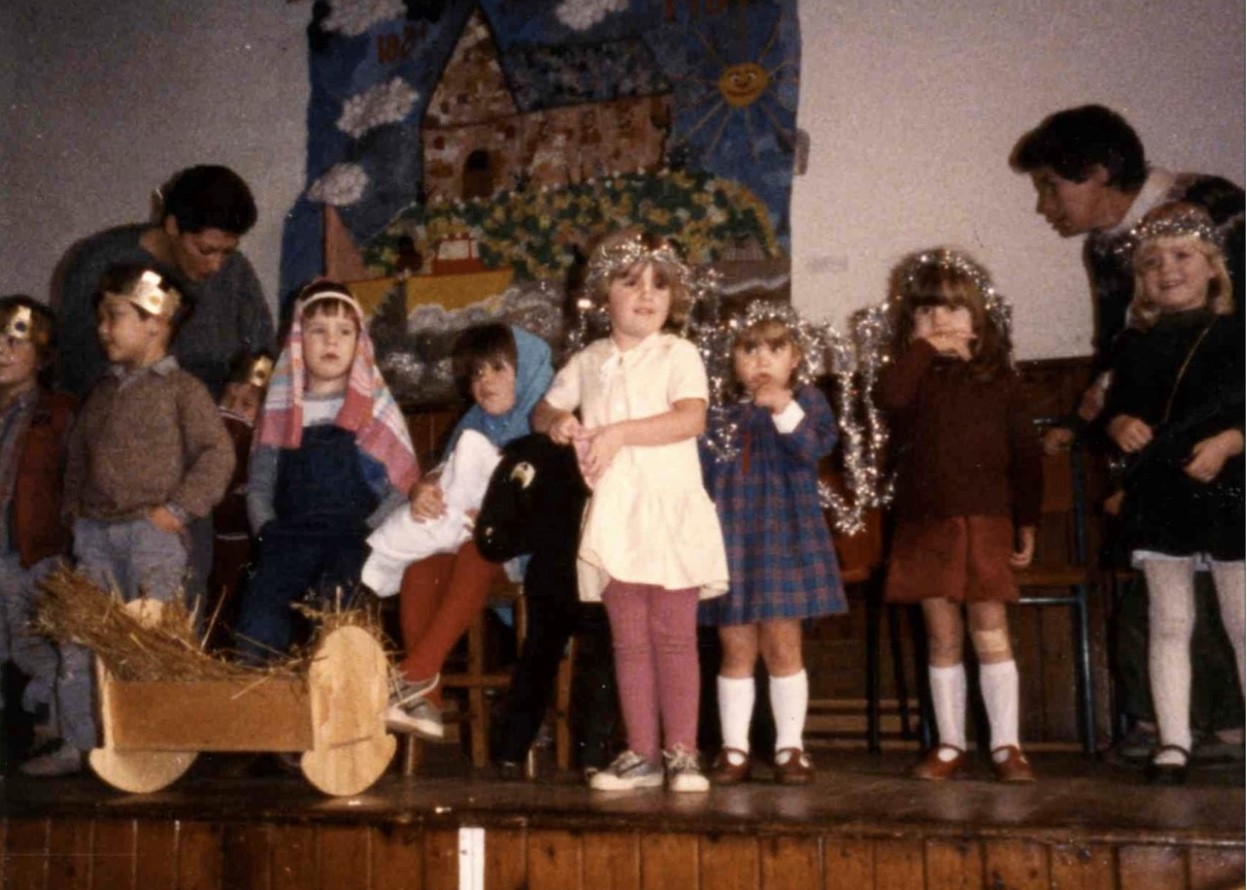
(773, 396)
(951, 342)
(1022, 557)
(1057, 439)
(426, 500)
(1130, 433)
(565, 429)
(164, 520)
(1209, 455)
(603, 444)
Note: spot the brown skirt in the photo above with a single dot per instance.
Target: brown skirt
(964, 559)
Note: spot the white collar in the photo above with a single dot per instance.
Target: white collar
(1155, 190)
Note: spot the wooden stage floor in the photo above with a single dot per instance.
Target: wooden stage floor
(863, 824)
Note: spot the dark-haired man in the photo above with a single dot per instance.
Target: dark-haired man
(1091, 178)
(205, 212)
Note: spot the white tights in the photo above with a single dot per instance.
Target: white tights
(1171, 617)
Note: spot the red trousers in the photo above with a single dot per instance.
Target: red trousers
(439, 599)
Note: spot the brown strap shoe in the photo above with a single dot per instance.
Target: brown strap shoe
(934, 768)
(724, 771)
(794, 769)
(1013, 767)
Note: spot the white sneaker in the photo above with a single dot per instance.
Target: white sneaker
(421, 717)
(627, 771)
(684, 772)
(63, 760)
(404, 691)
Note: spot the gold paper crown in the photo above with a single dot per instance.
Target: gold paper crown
(150, 295)
(20, 324)
(259, 371)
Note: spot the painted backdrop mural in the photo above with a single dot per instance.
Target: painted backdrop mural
(468, 147)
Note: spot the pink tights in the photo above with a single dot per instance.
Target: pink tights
(655, 641)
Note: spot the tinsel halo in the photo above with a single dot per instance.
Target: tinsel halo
(905, 280)
(824, 350)
(612, 258)
(715, 338)
(1182, 223)
(700, 282)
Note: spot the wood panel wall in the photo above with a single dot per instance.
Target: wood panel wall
(86, 854)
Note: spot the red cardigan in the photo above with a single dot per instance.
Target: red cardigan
(37, 528)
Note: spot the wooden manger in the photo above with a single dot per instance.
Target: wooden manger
(153, 729)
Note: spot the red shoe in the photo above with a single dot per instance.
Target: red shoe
(933, 768)
(1014, 767)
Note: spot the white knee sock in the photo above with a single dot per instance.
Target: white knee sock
(1171, 620)
(999, 683)
(736, 695)
(948, 698)
(790, 697)
(1229, 578)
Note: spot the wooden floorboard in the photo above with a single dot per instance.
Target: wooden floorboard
(864, 824)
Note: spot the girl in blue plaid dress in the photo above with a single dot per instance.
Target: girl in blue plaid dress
(781, 563)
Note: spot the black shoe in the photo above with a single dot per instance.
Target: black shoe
(1169, 773)
(509, 771)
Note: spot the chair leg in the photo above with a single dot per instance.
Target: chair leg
(413, 751)
(926, 711)
(1082, 663)
(900, 682)
(563, 709)
(874, 609)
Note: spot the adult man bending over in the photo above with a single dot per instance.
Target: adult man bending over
(1091, 177)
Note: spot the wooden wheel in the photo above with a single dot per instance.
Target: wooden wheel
(347, 687)
(138, 772)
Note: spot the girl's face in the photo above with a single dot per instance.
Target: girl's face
(1175, 274)
(493, 387)
(328, 349)
(639, 301)
(761, 360)
(941, 317)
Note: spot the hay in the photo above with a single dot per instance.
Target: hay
(73, 608)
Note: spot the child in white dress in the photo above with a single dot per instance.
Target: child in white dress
(651, 544)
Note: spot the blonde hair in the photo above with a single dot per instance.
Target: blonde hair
(1188, 223)
(620, 252)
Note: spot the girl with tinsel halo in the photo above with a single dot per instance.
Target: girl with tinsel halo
(651, 544)
(781, 560)
(968, 489)
(1176, 408)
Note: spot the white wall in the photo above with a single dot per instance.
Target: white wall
(110, 98)
(912, 107)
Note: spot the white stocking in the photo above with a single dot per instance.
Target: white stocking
(1171, 619)
(1228, 576)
